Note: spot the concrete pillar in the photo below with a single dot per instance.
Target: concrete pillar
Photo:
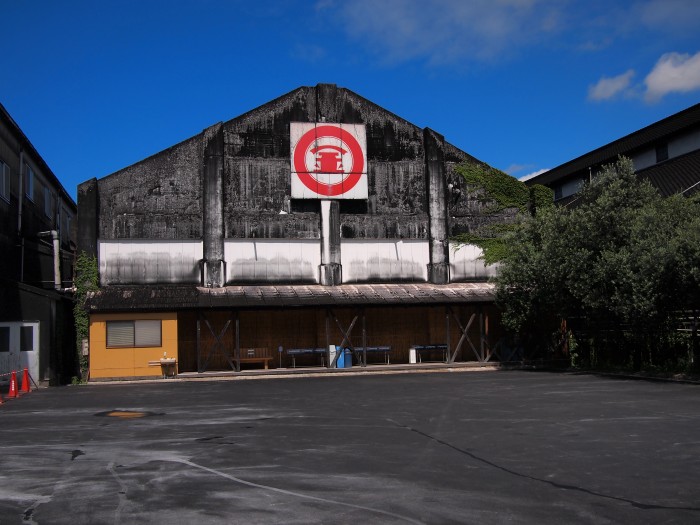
(214, 271)
(331, 272)
(435, 176)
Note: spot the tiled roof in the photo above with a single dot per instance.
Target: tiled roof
(176, 297)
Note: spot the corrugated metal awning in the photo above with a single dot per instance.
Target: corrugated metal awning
(174, 297)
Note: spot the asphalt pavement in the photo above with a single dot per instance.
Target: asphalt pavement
(489, 447)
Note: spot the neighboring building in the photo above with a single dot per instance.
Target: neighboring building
(37, 239)
(318, 218)
(666, 152)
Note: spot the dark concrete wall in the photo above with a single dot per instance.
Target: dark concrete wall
(88, 223)
(233, 181)
(257, 182)
(157, 198)
(162, 197)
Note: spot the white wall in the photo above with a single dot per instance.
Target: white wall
(570, 187)
(676, 147)
(644, 159)
(684, 144)
(376, 259)
(466, 265)
(272, 260)
(149, 261)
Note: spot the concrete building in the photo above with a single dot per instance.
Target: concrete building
(37, 239)
(316, 219)
(667, 153)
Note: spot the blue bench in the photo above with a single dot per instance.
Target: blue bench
(372, 350)
(295, 352)
(428, 349)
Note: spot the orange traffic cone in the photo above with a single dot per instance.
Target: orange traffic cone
(13, 386)
(26, 388)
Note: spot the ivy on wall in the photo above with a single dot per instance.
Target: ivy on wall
(499, 192)
(541, 197)
(86, 281)
(490, 239)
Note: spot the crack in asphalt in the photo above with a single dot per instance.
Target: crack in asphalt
(636, 504)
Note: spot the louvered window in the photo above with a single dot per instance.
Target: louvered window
(134, 333)
(147, 333)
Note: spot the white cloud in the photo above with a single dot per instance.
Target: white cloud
(533, 174)
(459, 31)
(515, 168)
(673, 73)
(448, 31)
(609, 87)
(673, 16)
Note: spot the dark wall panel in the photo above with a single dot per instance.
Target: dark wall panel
(158, 198)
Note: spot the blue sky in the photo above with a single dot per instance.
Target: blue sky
(524, 85)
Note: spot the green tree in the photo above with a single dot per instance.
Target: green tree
(621, 257)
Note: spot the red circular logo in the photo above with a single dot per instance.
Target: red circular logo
(328, 152)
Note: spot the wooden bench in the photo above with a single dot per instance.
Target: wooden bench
(386, 350)
(295, 352)
(256, 355)
(428, 349)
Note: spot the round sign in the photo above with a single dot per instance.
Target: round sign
(328, 150)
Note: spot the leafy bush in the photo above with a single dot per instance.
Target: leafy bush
(86, 281)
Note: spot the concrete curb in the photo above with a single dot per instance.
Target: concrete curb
(291, 373)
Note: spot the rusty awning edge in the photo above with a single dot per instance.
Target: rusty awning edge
(180, 297)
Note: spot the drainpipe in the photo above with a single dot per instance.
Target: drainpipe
(56, 257)
(56, 260)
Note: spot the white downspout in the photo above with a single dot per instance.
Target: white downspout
(56, 260)
(56, 256)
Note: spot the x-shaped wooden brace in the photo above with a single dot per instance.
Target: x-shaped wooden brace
(465, 337)
(346, 333)
(218, 344)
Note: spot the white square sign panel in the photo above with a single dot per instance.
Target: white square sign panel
(329, 161)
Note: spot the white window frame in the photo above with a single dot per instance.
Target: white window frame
(4, 181)
(48, 202)
(29, 183)
(64, 224)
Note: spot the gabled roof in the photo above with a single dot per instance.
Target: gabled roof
(302, 104)
(645, 137)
